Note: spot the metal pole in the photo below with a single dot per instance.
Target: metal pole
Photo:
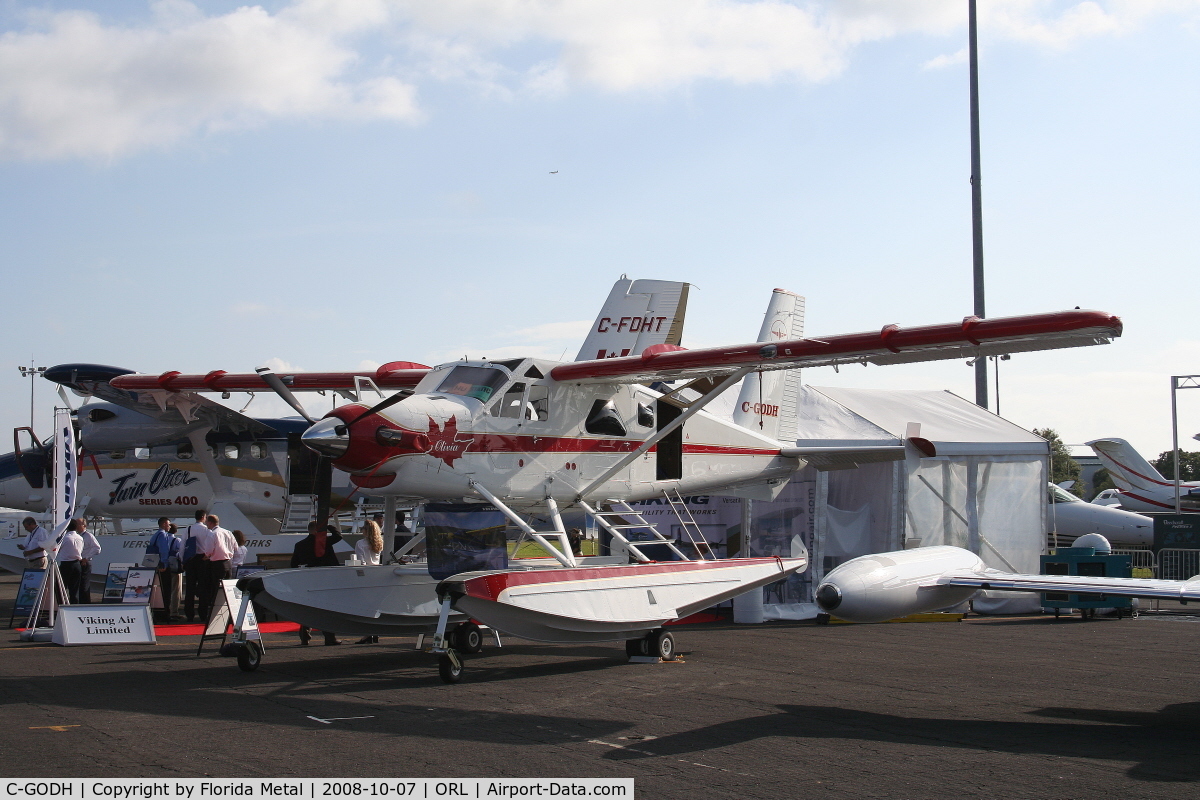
(1175, 438)
(981, 382)
(997, 384)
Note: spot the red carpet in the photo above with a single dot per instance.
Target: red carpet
(196, 629)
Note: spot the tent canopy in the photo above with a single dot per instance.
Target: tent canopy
(957, 427)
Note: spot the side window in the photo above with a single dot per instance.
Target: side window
(141, 453)
(538, 407)
(231, 451)
(117, 455)
(604, 420)
(509, 405)
(645, 416)
(184, 451)
(258, 450)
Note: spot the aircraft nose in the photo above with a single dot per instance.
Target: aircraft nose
(328, 437)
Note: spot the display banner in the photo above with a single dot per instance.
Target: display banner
(463, 537)
(65, 471)
(31, 581)
(97, 624)
(1177, 531)
(242, 788)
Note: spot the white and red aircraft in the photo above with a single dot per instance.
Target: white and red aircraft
(1141, 487)
(525, 434)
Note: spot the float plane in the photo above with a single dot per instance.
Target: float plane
(530, 435)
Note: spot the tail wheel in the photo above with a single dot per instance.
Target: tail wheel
(468, 638)
(661, 644)
(249, 656)
(449, 669)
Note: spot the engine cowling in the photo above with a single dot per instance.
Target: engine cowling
(883, 586)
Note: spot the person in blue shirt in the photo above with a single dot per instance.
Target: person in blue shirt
(165, 545)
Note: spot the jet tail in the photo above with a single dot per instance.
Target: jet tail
(636, 315)
(1129, 471)
(768, 401)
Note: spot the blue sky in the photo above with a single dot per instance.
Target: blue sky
(213, 186)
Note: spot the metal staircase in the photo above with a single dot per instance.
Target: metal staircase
(298, 511)
(628, 526)
(691, 528)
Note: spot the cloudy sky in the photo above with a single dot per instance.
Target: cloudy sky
(324, 184)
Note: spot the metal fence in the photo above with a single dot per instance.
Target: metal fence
(1178, 565)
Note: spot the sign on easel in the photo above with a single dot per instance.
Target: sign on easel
(27, 592)
(96, 624)
(233, 607)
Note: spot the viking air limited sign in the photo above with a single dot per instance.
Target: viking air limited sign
(127, 488)
(90, 624)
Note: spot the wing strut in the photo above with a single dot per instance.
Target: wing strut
(691, 410)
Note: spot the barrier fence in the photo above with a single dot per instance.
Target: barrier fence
(1171, 564)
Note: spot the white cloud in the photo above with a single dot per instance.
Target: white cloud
(73, 85)
(947, 60)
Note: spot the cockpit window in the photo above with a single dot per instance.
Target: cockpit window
(478, 382)
(1060, 495)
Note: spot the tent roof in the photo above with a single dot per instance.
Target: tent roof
(955, 426)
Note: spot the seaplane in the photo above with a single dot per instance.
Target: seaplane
(530, 436)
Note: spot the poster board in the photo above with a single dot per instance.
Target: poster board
(234, 607)
(114, 582)
(139, 586)
(96, 624)
(27, 590)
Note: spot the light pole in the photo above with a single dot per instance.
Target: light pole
(32, 371)
(1179, 382)
(981, 389)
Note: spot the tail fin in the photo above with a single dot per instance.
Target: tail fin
(768, 400)
(1128, 469)
(637, 314)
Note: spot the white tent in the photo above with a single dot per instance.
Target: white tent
(983, 490)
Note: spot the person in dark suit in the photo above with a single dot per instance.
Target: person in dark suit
(316, 550)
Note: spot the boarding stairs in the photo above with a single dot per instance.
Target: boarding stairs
(630, 528)
(298, 511)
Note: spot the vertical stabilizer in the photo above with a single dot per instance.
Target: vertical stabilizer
(1128, 469)
(768, 400)
(636, 314)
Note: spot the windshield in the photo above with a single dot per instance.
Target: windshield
(1060, 495)
(478, 382)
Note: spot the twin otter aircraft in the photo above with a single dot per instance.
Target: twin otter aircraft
(526, 435)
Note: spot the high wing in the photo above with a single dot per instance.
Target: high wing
(1076, 584)
(185, 412)
(971, 338)
(394, 375)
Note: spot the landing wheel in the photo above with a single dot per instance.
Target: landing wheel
(468, 638)
(662, 644)
(636, 647)
(449, 669)
(249, 656)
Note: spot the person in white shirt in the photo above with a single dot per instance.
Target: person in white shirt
(367, 551)
(371, 545)
(193, 564)
(35, 543)
(217, 547)
(239, 555)
(70, 556)
(91, 549)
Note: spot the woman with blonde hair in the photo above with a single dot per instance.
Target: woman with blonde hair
(367, 551)
(371, 545)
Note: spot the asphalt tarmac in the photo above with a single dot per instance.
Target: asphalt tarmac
(997, 708)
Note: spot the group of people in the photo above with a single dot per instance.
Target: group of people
(316, 550)
(75, 553)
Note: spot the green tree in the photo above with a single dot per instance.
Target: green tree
(1189, 465)
(1062, 466)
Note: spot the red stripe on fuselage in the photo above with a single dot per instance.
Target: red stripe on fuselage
(508, 443)
(489, 587)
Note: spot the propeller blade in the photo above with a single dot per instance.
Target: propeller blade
(375, 409)
(281, 389)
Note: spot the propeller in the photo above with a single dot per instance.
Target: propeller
(281, 389)
(380, 406)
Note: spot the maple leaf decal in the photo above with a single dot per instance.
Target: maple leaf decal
(445, 443)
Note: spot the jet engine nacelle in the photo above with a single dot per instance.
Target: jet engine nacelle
(883, 586)
(105, 426)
